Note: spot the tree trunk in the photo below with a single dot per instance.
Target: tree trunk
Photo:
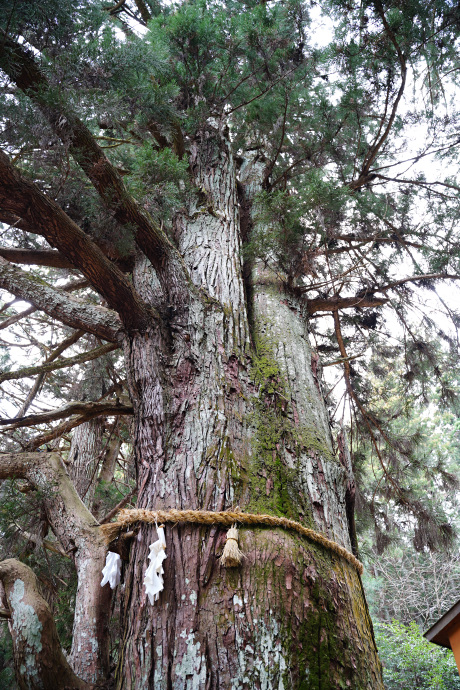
(107, 471)
(84, 457)
(227, 414)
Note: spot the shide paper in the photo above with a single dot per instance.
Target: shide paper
(153, 580)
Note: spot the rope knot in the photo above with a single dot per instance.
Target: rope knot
(231, 555)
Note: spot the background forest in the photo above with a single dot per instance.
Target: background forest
(353, 109)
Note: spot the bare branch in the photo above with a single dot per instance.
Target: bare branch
(415, 279)
(17, 317)
(88, 410)
(68, 342)
(61, 364)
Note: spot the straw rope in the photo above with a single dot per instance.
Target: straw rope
(228, 518)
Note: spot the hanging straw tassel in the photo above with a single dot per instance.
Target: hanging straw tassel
(231, 556)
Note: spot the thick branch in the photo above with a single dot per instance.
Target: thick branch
(336, 302)
(88, 410)
(54, 302)
(53, 259)
(61, 364)
(31, 310)
(143, 10)
(76, 529)
(36, 257)
(20, 65)
(38, 658)
(18, 195)
(57, 431)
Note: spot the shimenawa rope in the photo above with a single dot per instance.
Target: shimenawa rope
(228, 518)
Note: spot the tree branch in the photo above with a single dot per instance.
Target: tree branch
(20, 196)
(118, 507)
(17, 317)
(88, 410)
(337, 302)
(69, 310)
(143, 10)
(61, 364)
(36, 257)
(42, 664)
(31, 310)
(374, 149)
(49, 545)
(414, 279)
(368, 419)
(21, 67)
(39, 381)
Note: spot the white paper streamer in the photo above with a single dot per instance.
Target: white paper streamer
(112, 570)
(153, 580)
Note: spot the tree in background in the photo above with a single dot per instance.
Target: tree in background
(411, 577)
(412, 662)
(216, 186)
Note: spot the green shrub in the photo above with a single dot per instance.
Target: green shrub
(411, 662)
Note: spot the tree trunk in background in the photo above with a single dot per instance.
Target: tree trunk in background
(107, 471)
(84, 457)
(229, 413)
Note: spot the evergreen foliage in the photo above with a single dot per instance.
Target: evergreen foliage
(357, 214)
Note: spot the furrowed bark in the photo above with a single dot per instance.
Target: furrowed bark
(18, 195)
(84, 456)
(69, 310)
(38, 658)
(76, 530)
(213, 428)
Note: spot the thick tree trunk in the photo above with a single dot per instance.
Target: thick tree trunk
(220, 422)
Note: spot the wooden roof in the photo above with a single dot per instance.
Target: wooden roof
(439, 632)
